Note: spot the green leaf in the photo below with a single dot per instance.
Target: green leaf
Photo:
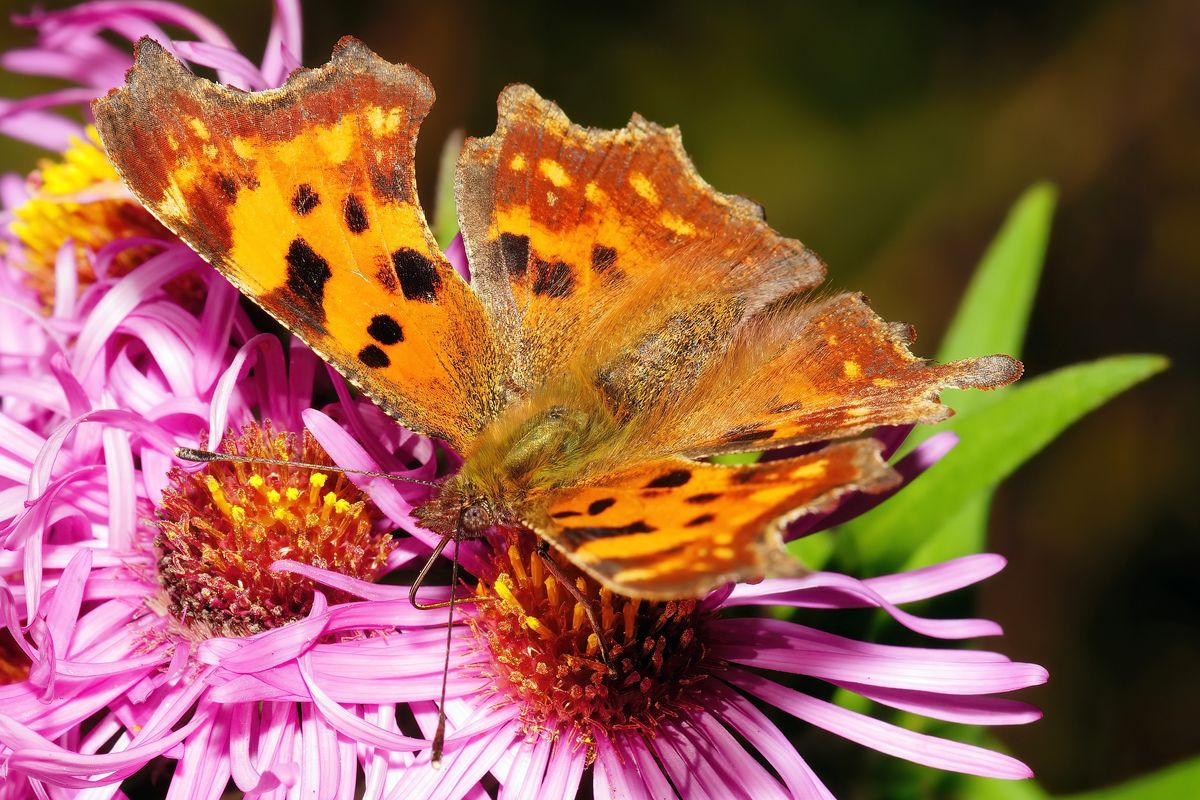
(445, 215)
(814, 550)
(991, 318)
(736, 459)
(995, 440)
(1177, 781)
(994, 311)
(973, 788)
(1174, 782)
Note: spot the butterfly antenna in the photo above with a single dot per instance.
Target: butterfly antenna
(208, 457)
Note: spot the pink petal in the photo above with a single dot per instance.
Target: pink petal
(916, 747)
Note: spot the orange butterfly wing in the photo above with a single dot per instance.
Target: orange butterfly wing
(816, 371)
(305, 198)
(575, 234)
(677, 528)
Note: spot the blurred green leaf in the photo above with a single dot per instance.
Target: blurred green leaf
(973, 788)
(814, 551)
(994, 311)
(445, 215)
(734, 459)
(992, 318)
(996, 439)
(1178, 781)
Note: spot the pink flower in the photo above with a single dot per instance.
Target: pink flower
(531, 703)
(72, 45)
(181, 644)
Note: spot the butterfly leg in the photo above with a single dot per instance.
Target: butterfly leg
(589, 608)
(424, 573)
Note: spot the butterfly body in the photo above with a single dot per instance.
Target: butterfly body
(624, 319)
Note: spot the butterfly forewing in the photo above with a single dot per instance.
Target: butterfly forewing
(583, 240)
(305, 198)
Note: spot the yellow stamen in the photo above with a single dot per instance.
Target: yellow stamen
(518, 564)
(504, 589)
(534, 624)
(630, 612)
(218, 494)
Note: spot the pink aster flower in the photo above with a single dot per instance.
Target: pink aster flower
(143, 596)
(75, 45)
(531, 703)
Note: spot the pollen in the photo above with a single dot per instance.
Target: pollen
(221, 529)
(80, 198)
(542, 653)
(851, 369)
(518, 163)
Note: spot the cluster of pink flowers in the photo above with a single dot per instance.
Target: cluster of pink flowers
(194, 625)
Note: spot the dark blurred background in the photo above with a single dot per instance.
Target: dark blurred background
(892, 138)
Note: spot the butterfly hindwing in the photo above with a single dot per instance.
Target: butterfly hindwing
(676, 528)
(305, 198)
(810, 371)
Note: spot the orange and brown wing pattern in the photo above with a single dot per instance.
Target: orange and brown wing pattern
(677, 528)
(582, 238)
(814, 371)
(305, 198)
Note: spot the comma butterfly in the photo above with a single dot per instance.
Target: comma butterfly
(624, 320)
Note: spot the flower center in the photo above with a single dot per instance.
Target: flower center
(222, 527)
(14, 664)
(81, 198)
(546, 656)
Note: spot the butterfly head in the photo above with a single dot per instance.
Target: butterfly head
(476, 517)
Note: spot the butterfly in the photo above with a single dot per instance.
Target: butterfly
(624, 320)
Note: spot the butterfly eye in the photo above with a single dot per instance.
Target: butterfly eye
(475, 520)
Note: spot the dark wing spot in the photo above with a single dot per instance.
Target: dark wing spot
(670, 480)
(418, 278)
(354, 214)
(565, 514)
(703, 497)
(599, 506)
(307, 274)
(603, 257)
(751, 435)
(227, 186)
(386, 275)
(385, 330)
(392, 183)
(619, 530)
(514, 250)
(703, 519)
(553, 280)
(374, 357)
(305, 199)
(788, 408)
